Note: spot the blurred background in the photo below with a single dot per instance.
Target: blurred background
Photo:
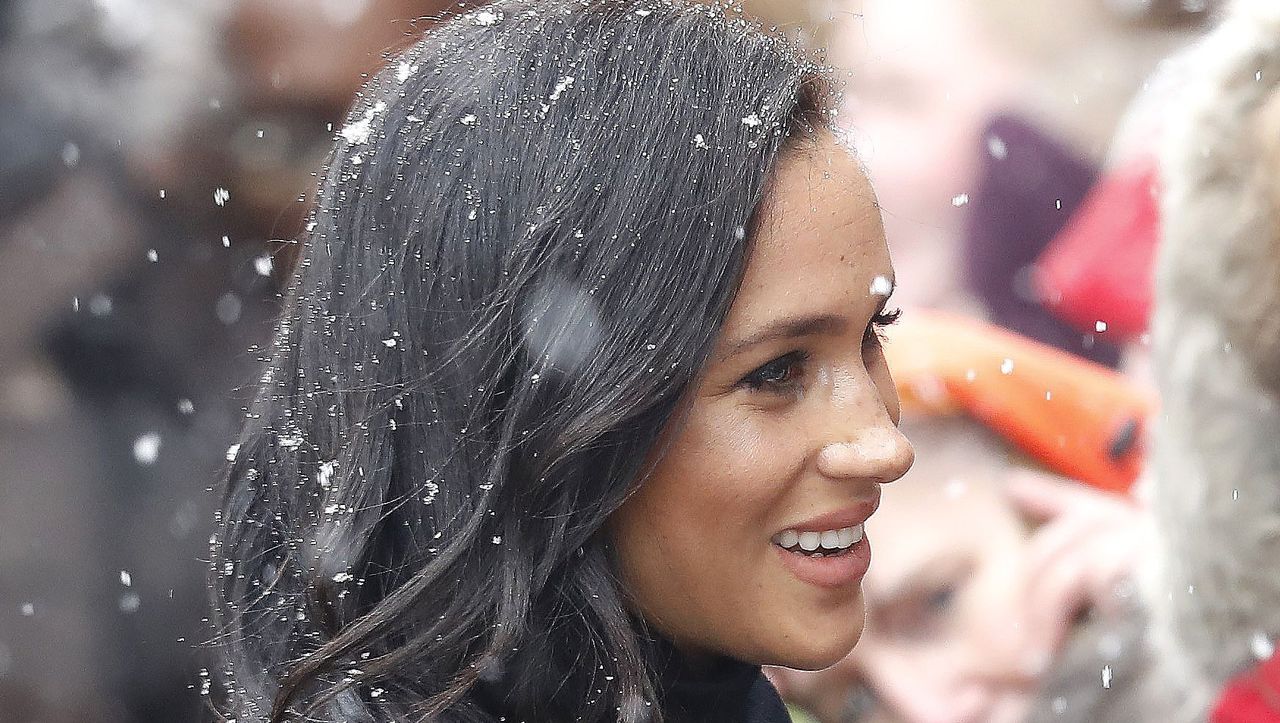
(157, 161)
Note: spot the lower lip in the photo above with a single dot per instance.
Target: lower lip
(829, 572)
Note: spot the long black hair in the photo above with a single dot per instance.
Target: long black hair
(528, 235)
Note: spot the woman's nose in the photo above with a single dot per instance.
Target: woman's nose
(879, 453)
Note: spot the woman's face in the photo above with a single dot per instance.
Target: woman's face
(783, 443)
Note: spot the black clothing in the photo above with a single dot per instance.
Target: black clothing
(723, 691)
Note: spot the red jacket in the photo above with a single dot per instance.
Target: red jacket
(1253, 697)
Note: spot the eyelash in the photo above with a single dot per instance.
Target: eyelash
(780, 374)
(886, 318)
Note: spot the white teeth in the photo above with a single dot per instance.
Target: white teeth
(828, 540)
(809, 541)
(850, 535)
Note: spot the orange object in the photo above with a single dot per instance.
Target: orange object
(1077, 418)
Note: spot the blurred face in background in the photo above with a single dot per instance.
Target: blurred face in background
(923, 82)
(945, 640)
(946, 637)
(314, 52)
(989, 570)
(298, 66)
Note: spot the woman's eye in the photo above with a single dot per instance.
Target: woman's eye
(878, 324)
(777, 374)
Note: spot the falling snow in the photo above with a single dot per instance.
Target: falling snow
(564, 84)
(100, 305)
(404, 70)
(146, 448)
(263, 265)
(357, 132)
(997, 147)
(881, 286)
(1262, 646)
(324, 475)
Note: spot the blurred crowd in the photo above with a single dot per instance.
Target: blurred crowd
(1082, 201)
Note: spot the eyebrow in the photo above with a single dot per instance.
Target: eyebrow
(792, 328)
(796, 327)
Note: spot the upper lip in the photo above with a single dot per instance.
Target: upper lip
(849, 516)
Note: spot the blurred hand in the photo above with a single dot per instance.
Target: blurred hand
(1079, 560)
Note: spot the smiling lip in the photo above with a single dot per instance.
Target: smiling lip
(839, 570)
(844, 517)
(836, 571)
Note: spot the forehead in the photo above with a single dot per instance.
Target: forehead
(819, 241)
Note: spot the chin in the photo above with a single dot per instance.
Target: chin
(821, 646)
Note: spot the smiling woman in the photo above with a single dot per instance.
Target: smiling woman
(747, 538)
(577, 406)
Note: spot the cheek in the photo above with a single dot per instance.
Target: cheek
(718, 479)
(732, 455)
(693, 539)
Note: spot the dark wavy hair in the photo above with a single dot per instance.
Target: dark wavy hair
(527, 238)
